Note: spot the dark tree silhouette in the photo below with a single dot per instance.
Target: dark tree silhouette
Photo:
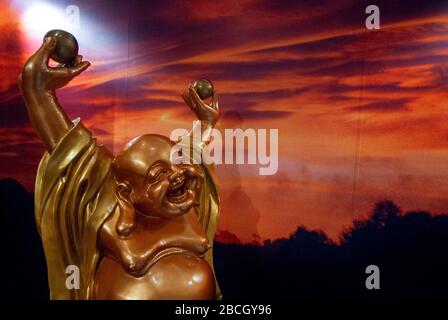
(408, 248)
(22, 266)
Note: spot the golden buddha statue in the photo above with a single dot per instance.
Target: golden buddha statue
(137, 225)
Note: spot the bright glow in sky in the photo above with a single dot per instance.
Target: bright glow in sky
(40, 18)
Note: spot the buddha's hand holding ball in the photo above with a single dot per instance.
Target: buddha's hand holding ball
(60, 46)
(66, 49)
(200, 90)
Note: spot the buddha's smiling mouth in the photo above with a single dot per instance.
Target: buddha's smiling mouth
(177, 191)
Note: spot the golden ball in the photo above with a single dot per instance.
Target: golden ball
(204, 88)
(66, 47)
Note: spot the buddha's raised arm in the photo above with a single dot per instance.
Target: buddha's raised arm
(208, 114)
(38, 83)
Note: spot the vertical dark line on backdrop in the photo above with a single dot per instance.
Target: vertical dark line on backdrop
(130, 4)
(358, 130)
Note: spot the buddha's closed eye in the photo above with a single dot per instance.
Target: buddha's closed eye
(159, 174)
(156, 173)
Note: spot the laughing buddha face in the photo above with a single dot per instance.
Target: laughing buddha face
(150, 182)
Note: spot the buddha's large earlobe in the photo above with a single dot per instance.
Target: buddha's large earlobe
(126, 218)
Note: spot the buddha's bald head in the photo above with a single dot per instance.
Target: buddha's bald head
(140, 154)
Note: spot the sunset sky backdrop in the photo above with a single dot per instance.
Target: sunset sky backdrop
(362, 114)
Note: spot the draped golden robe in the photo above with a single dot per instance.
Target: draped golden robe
(75, 194)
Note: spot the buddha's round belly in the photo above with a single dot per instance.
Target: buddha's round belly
(173, 277)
